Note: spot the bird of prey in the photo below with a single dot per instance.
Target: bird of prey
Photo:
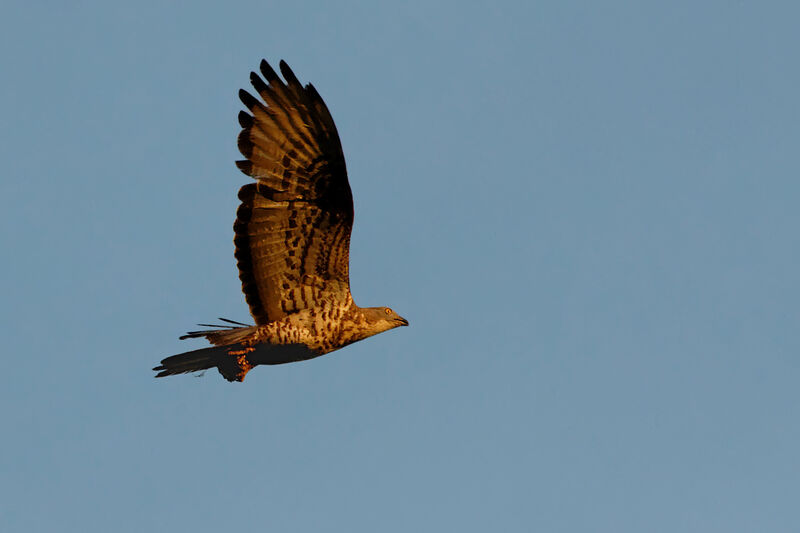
(292, 239)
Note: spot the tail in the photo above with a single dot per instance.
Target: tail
(234, 361)
(228, 354)
(231, 361)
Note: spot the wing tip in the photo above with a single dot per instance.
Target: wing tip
(246, 120)
(268, 72)
(248, 99)
(288, 74)
(245, 166)
(259, 85)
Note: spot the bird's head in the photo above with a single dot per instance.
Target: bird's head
(382, 319)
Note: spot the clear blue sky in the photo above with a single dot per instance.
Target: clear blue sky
(587, 210)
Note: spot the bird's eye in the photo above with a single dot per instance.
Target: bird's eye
(388, 311)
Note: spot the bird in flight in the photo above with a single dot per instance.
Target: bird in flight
(292, 239)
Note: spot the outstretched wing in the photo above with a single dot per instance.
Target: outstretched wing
(292, 230)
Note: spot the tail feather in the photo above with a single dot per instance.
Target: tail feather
(234, 361)
(224, 358)
(187, 362)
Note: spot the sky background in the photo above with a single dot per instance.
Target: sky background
(588, 211)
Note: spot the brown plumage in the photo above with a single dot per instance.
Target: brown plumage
(292, 238)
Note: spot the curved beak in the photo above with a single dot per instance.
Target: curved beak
(402, 321)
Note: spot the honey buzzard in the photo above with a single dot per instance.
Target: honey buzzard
(292, 239)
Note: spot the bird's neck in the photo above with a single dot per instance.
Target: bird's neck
(358, 326)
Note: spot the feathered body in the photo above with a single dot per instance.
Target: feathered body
(292, 238)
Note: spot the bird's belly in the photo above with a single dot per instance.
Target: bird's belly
(278, 354)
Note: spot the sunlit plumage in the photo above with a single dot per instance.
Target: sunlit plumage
(292, 238)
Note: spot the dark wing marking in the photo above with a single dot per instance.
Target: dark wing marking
(293, 226)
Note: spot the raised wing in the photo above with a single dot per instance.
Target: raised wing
(292, 230)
